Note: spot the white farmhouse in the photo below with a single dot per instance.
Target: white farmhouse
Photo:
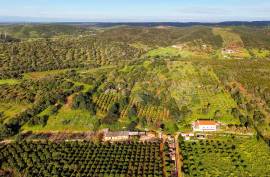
(205, 125)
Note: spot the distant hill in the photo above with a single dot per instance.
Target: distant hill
(147, 24)
(40, 30)
(174, 24)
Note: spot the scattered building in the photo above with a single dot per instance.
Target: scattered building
(116, 136)
(121, 135)
(149, 136)
(205, 125)
(228, 51)
(201, 136)
(187, 136)
(172, 148)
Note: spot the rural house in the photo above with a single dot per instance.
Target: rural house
(205, 125)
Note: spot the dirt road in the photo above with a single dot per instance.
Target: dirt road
(178, 157)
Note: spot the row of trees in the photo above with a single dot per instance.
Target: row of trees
(198, 161)
(82, 159)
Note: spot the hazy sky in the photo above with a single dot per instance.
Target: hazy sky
(134, 10)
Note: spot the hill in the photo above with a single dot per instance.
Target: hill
(69, 91)
(41, 30)
(131, 77)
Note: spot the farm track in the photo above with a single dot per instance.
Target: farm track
(179, 163)
(163, 159)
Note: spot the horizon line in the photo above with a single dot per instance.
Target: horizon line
(112, 22)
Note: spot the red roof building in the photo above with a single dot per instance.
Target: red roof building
(205, 125)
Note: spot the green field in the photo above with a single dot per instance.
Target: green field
(67, 120)
(42, 74)
(11, 109)
(165, 52)
(9, 81)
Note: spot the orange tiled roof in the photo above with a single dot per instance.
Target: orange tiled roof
(205, 122)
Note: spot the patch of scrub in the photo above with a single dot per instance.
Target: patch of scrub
(68, 119)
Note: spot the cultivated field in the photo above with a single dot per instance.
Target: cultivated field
(84, 159)
(225, 157)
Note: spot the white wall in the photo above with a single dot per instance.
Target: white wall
(205, 128)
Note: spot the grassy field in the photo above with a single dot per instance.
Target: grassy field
(66, 119)
(140, 45)
(10, 109)
(164, 52)
(102, 69)
(172, 52)
(86, 87)
(38, 75)
(9, 81)
(196, 49)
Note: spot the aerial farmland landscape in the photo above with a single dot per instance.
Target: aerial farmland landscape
(105, 89)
